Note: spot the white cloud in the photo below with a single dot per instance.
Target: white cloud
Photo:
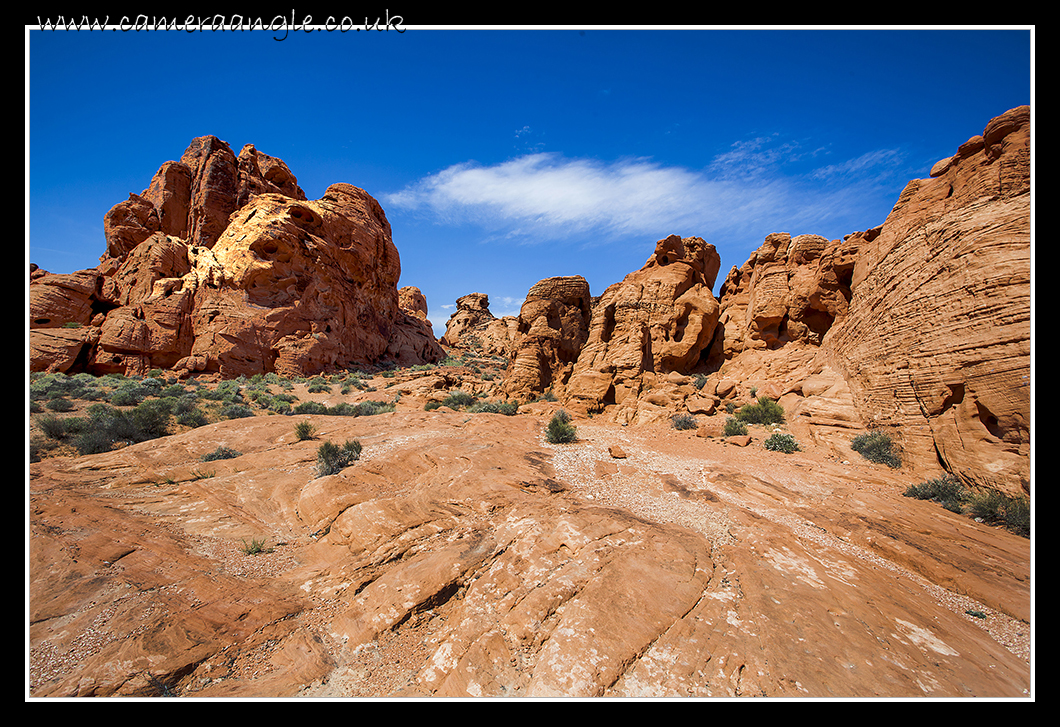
(543, 196)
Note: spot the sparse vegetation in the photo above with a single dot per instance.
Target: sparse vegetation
(332, 458)
(304, 430)
(254, 547)
(734, 427)
(877, 447)
(560, 430)
(221, 452)
(683, 421)
(997, 508)
(764, 411)
(988, 505)
(780, 442)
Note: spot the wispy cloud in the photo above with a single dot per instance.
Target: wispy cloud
(543, 196)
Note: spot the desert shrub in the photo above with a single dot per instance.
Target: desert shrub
(683, 421)
(560, 430)
(310, 407)
(93, 441)
(432, 405)
(765, 411)
(331, 458)
(946, 490)
(254, 547)
(53, 427)
(734, 427)
(458, 400)
(876, 447)
(344, 409)
(494, 407)
(700, 382)
(304, 430)
(779, 442)
(236, 411)
(369, 408)
(60, 403)
(997, 508)
(318, 387)
(193, 417)
(221, 452)
(129, 393)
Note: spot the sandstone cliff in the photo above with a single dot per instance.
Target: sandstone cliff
(222, 265)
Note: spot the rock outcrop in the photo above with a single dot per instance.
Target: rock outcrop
(936, 344)
(472, 327)
(552, 326)
(657, 321)
(222, 265)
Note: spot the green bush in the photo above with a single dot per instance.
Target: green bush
(560, 430)
(766, 411)
(310, 407)
(60, 403)
(734, 427)
(53, 427)
(494, 407)
(997, 508)
(304, 430)
(779, 442)
(876, 447)
(458, 400)
(193, 418)
(946, 488)
(237, 411)
(331, 458)
(221, 452)
(683, 421)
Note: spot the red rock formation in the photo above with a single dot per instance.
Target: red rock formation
(552, 326)
(656, 321)
(472, 327)
(937, 341)
(223, 265)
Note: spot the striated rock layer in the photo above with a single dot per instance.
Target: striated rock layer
(937, 341)
(222, 265)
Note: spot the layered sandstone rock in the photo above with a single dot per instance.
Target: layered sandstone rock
(657, 321)
(937, 340)
(552, 326)
(789, 290)
(222, 265)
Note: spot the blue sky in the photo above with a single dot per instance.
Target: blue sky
(502, 157)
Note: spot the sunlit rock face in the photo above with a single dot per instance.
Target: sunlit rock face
(658, 320)
(222, 265)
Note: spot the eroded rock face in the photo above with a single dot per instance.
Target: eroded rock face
(552, 326)
(462, 556)
(472, 327)
(936, 343)
(222, 265)
(789, 290)
(656, 321)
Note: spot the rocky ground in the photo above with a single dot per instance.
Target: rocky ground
(464, 555)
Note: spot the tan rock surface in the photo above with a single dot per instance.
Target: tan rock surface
(465, 556)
